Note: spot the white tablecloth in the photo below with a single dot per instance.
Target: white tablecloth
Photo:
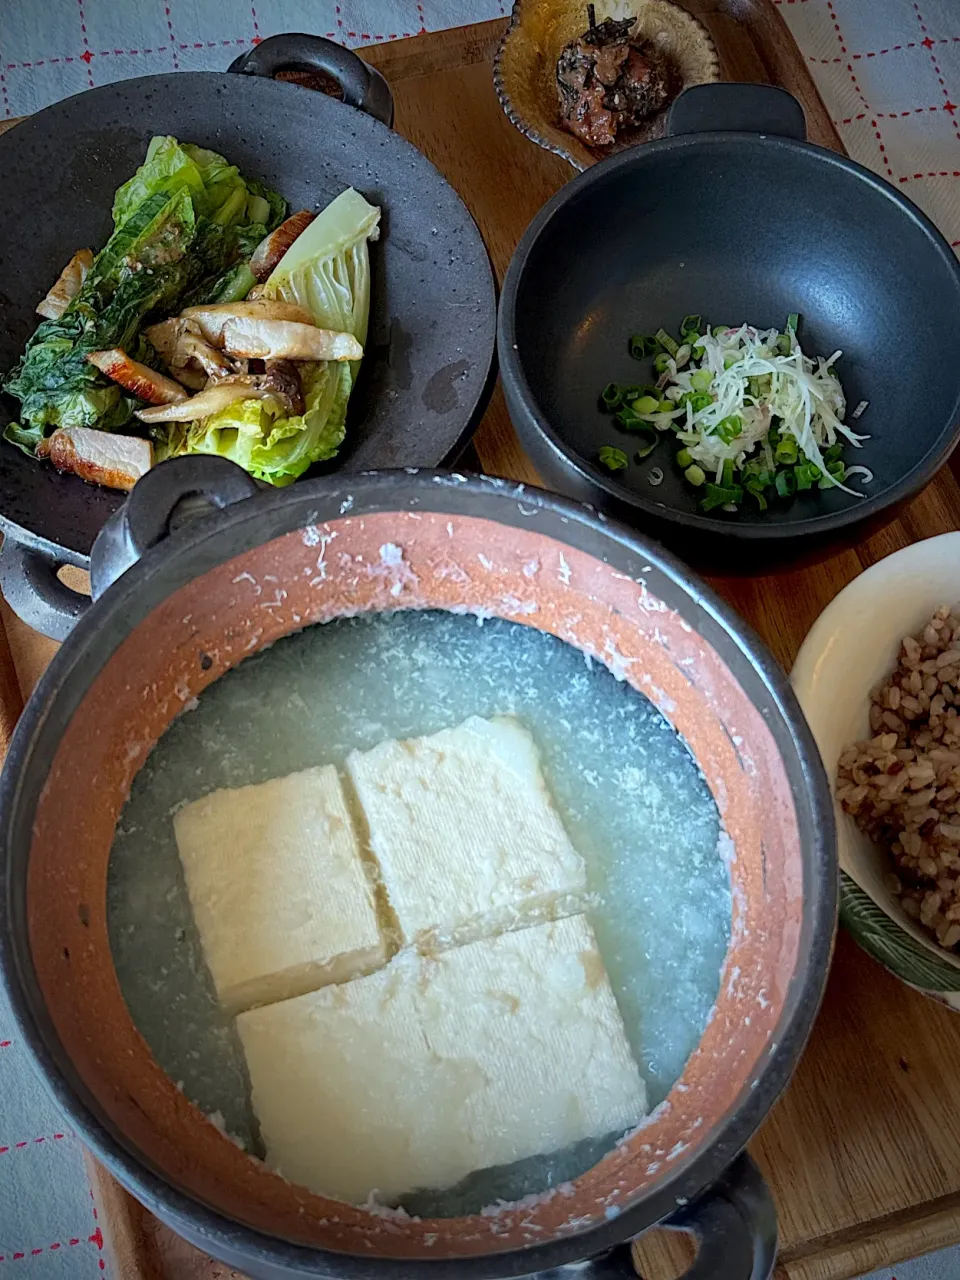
(889, 71)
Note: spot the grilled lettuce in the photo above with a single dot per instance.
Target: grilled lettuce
(327, 271)
(183, 222)
(276, 449)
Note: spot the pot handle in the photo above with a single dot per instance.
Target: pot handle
(176, 491)
(737, 108)
(362, 86)
(30, 586)
(735, 1225)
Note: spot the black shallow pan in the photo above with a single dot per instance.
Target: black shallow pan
(737, 218)
(429, 357)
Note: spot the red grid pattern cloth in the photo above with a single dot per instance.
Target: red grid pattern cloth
(889, 72)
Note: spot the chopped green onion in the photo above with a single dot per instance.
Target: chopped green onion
(718, 329)
(642, 345)
(611, 397)
(793, 321)
(615, 459)
(701, 379)
(728, 429)
(695, 475)
(661, 363)
(626, 418)
(684, 459)
(727, 477)
(667, 406)
(647, 404)
(668, 344)
(786, 453)
(833, 454)
(716, 495)
(648, 442)
(786, 484)
(836, 474)
(783, 345)
(691, 323)
(755, 491)
(806, 474)
(697, 400)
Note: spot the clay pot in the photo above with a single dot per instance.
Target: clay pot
(216, 570)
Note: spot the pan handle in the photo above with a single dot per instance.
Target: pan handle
(737, 108)
(735, 1225)
(30, 586)
(362, 86)
(176, 491)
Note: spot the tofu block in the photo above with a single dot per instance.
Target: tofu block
(465, 834)
(437, 1066)
(279, 890)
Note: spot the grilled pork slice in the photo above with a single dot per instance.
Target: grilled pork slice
(101, 457)
(272, 247)
(137, 378)
(210, 320)
(286, 340)
(68, 284)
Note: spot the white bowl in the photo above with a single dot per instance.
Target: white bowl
(849, 649)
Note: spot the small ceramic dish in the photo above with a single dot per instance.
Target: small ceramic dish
(850, 648)
(525, 69)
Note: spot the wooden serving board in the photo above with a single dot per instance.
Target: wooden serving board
(863, 1151)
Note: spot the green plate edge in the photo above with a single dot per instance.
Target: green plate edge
(883, 939)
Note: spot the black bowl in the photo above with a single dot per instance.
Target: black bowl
(739, 227)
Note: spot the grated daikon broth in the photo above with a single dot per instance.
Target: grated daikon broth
(633, 800)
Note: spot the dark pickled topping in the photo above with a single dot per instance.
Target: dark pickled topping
(608, 81)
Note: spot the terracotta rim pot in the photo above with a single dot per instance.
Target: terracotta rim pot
(211, 570)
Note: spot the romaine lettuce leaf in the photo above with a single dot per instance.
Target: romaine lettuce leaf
(327, 268)
(186, 222)
(272, 447)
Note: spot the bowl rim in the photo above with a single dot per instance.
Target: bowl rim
(916, 960)
(207, 541)
(518, 387)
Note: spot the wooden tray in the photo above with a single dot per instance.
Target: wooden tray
(863, 1151)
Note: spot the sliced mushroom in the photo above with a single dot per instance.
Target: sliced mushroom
(137, 378)
(165, 337)
(280, 383)
(100, 457)
(212, 400)
(272, 247)
(284, 377)
(210, 320)
(193, 379)
(180, 345)
(286, 340)
(68, 285)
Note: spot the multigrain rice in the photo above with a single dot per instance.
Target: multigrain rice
(903, 785)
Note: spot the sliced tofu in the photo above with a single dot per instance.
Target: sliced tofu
(67, 285)
(431, 1069)
(101, 457)
(465, 834)
(279, 890)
